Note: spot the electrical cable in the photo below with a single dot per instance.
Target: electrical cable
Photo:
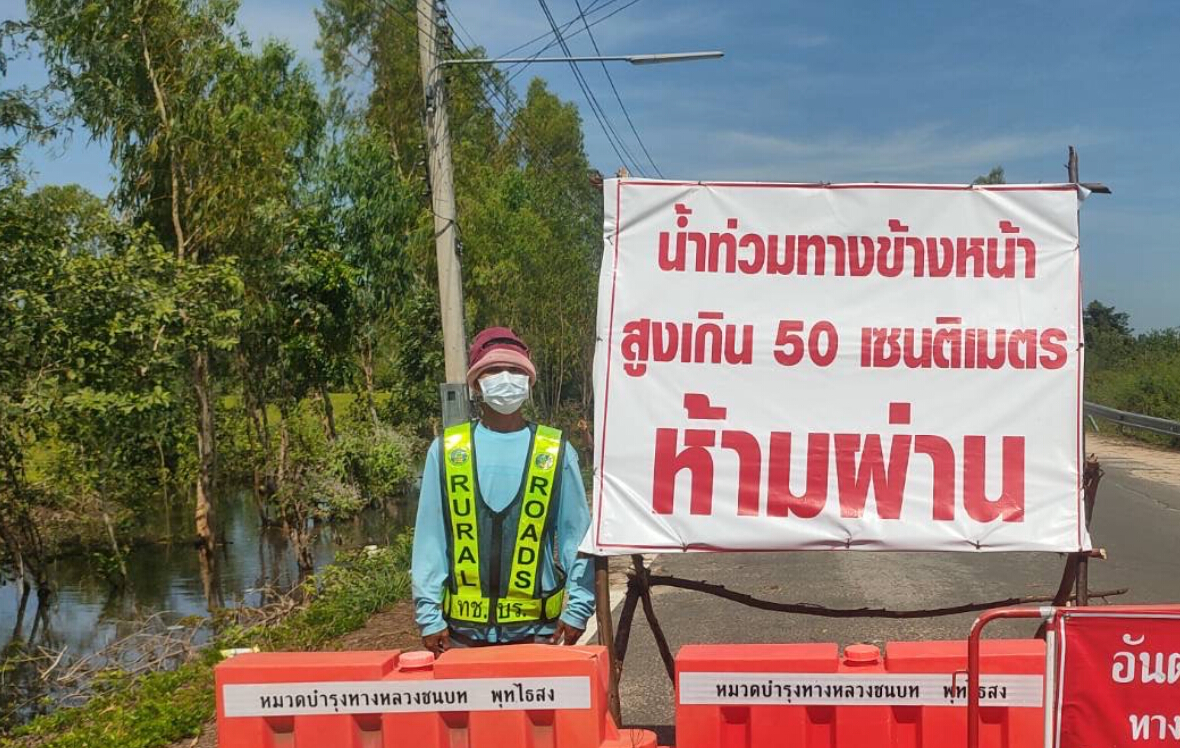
(618, 98)
(522, 65)
(594, 7)
(500, 120)
(599, 114)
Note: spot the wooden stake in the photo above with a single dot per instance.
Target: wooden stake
(606, 632)
(626, 616)
(1091, 478)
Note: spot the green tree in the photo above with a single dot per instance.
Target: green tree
(31, 272)
(372, 48)
(995, 176)
(122, 337)
(94, 334)
(377, 44)
(202, 132)
(23, 110)
(1107, 334)
(377, 217)
(531, 230)
(1101, 318)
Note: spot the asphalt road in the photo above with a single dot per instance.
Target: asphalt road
(1137, 519)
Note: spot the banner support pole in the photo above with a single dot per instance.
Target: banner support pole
(606, 633)
(1083, 561)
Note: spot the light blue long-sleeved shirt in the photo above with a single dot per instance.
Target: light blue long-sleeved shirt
(500, 462)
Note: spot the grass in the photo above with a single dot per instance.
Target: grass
(39, 459)
(41, 453)
(341, 402)
(158, 709)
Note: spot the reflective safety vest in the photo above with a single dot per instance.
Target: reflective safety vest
(484, 587)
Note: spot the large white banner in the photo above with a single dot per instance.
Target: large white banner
(855, 366)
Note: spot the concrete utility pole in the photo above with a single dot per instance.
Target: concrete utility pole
(455, 407)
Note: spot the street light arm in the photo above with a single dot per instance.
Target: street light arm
(674, 57)
(648, 59)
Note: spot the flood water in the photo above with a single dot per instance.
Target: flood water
(86, 613)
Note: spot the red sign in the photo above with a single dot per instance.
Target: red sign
(1119, 679)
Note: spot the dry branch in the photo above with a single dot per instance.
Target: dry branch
(642, 578)
(153, 644)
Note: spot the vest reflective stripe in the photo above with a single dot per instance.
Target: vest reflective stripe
(520, 598)
(523, 580)
(460, 490)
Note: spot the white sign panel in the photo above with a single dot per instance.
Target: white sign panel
(375, 697)
(861, 366)
(870, 689)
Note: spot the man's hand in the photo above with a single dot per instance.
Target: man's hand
(565, 634)
(437, 642)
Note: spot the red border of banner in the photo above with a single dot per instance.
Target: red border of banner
(601, 464)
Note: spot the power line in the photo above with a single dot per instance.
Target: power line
(500, 121)
(506, 118)
(594, 6)
(484, 78)
(522, 65)
(411, 22)
(509, 127)
(595, 107)
(470, 39)
(618, 98)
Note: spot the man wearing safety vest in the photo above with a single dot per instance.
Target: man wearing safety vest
(500, 499)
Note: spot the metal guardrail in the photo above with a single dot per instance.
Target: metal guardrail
(1150, 423)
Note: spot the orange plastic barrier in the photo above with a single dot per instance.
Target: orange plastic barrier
(582, 728)
(808, 696)
(310, 731)
(505, 725)
(1000, 726)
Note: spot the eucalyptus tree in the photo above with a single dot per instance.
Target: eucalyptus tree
(376, 218)
(370, 54)
(203, 133)
(533, 246)
(25, 112)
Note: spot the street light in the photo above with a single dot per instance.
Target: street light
(655, 59)
(450, 283)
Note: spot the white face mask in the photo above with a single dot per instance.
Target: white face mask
(505, 392)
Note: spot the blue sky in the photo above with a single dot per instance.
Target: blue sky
(852, 91)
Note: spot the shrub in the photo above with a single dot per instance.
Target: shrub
(381, 460)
